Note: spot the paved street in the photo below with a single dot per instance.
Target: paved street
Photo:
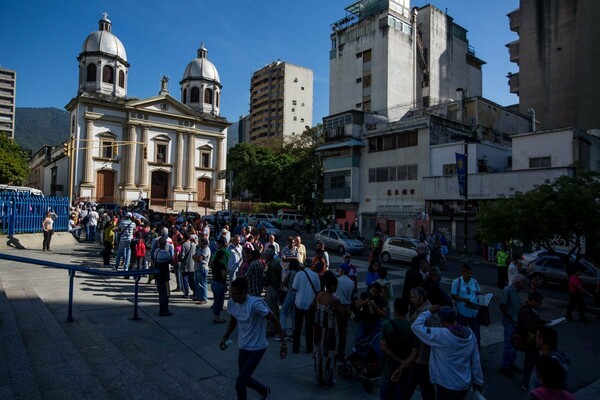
(123, 357)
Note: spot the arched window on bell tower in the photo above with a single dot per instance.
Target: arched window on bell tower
(208, 96)
(90, 73)
(195, 95)
(122, 79)
(184, 96)
(108, 74)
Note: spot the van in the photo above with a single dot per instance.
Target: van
(8, 189)
(289, 220)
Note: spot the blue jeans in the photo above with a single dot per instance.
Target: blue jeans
(509, 355)
(472, 323)
(389, 390)
(187, 281)
(91, 233)
(201, 279)
(218, 290)
(124, 251)
(248, 360)
(287, 308)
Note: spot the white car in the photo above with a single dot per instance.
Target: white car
(399, 248)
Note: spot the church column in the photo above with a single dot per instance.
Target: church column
(129, 158)
(191, 162)
(88, 162)
(143, 160)
(220, 164)
(178, 164)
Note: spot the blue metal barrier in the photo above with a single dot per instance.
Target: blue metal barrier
(137, 274)
(23, 213)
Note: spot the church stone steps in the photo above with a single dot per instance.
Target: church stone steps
(58, 370)
(139, 362)
(16, 379)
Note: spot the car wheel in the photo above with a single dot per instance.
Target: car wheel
(386, 257)
(538, 280)
(341, 249)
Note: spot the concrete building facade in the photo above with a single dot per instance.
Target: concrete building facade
(388, 59)
(558, 60)
(281, 101)
(8, 103)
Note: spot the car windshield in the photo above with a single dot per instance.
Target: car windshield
(345, 235)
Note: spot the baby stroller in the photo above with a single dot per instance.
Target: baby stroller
(365, 361)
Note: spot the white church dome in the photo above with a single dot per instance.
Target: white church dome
(201, 68)
(103, 41)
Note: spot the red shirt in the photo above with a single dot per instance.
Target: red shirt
(574, 282)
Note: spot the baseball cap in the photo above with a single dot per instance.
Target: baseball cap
(129, 214)
(346, 255)
(164, 231)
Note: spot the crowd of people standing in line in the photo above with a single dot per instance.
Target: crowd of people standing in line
(431, 340)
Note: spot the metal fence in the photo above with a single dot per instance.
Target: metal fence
(21, 213)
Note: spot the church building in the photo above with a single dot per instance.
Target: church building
(172, 151)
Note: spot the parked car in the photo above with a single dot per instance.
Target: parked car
(552, 269)
(289, 220)
(399, 248)
(529, 257)
(340, 240)
(263, 217)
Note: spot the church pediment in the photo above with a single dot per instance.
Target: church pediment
(165, 104)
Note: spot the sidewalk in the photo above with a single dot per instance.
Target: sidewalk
(123, 358)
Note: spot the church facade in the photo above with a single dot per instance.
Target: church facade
(171, 151)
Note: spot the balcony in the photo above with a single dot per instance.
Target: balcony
(515, 20)
(341, 162)
(341, 194)
(513, 82)
(489, 186)
(513, 51)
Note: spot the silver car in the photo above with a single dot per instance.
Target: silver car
(340, 240)
(551, 269)
(399, 248)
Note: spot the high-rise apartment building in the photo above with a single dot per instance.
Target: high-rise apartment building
(8, 93)
(558, 56)
(281, 101)
(388, 59)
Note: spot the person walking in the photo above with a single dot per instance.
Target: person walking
(464, 292)
(125, 229)
(327, 313)
(502, 259)
(306, 284)
(399, 346)
(162, 260)
(218, 285)
(249, 315)
(576, 293)
(48, 227)
(454, 364)
(188, 249)
(510, 303)
(201, 259)
(528, 324)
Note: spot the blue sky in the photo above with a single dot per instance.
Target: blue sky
(161, 37)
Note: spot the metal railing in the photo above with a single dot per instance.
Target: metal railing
(137, 274)
(25, 213)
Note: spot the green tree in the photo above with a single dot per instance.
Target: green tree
(276, 171)
(568, 209)
(13, 161)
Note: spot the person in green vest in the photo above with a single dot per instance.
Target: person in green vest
(502, 259)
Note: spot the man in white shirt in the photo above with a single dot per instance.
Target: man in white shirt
(249, 315)
(345, 293)
(93, 224)
(307, 285)
(235, 257)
